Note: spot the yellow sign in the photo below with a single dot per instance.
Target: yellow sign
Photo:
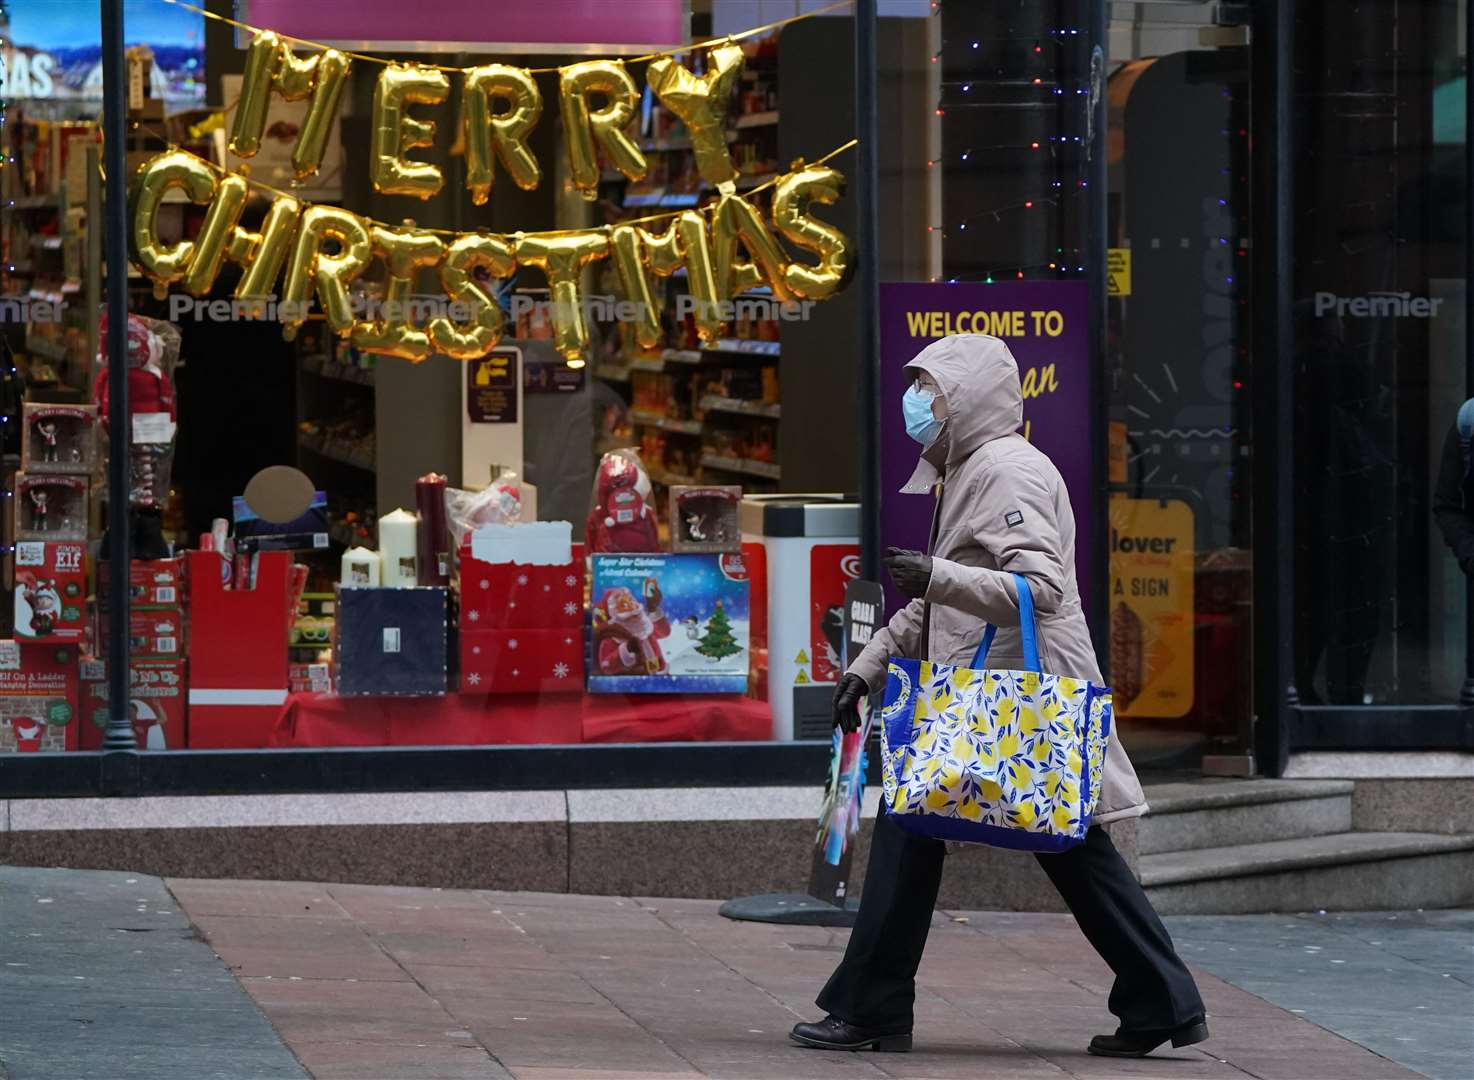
(1118, 271)
(1151, 607)
(803, 678)
(801, 658)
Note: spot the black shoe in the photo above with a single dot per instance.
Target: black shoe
(1135, 1044)
(832, 1033)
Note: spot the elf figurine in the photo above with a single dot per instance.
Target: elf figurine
(46, 429)
(150, 391)
(39, 509)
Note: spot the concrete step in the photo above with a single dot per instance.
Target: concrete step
(1349, 871)
(1210, 814)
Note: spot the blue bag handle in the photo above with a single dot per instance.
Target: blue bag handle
(1026, 625)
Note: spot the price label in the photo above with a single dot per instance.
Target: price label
(155, 427)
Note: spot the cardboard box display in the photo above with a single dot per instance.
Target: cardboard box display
(704, 518)
(669, 624)
(310, 678)
(50, 592)
(154, 633)
(237, 651)
(157, 704)
(522, 661)
(38, 698)
(58, 438)
(527, 575)
(391, 641)
(151, 583)
(50, 507)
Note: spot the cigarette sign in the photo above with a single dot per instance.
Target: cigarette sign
(1118, 271)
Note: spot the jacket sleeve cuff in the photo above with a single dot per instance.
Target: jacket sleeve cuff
(872, 662)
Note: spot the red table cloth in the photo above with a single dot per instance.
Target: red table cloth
(475, 720)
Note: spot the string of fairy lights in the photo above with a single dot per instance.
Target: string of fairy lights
(978, 93)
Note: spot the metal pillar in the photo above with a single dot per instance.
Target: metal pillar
(1097, 239)
(119, 734)
(1273, 383)
(867, 194)
(1466, 694)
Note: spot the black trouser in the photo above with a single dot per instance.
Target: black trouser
(875, 983)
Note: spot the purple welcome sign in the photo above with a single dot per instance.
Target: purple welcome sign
(555, 25)
(1044, 324)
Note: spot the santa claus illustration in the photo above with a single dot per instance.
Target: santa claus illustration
(28, 732)
(148, 725)
(627, 632)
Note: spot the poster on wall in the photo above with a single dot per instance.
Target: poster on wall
(53, 51)
(1151, 602)
(491, 388)
(670, 624)
(1044, 324)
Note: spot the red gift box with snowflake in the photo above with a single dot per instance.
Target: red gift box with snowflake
(521, 577)
(522, 661)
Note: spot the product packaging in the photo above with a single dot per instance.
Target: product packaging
(50, 592)
(50, 507)
(154, 633)
(391, 642)
(669, 624)
(59, 438)
(38, 697)
(522, 661)
(151, 583)
(622, 511)
(157, 704)
(704, 519)
(521, 576)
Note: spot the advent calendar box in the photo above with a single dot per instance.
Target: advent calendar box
(391, 642)
(151, 583)
(669, 624)
(154, 633)
(522, 661)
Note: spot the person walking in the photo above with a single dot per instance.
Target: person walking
(1453, 496)
(1001, 509)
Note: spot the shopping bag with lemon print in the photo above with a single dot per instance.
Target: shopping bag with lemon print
(989, 756)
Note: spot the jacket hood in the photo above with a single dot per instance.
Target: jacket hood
(979, 379)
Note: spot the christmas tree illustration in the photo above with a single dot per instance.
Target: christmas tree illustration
(717, 640)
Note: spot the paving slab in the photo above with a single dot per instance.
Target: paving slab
(552, 987)
(1401, 983)
(103, 976)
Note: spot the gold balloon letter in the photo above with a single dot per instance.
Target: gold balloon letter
(637, 254)
(561, 258)
(583, 126)
(404, 251)
(701, 275)
(330, 274)
(165, 263)
(263, 253)
(738, 222)
(702, 104)
(484, 130)
(791, 201)
(271, 65)
(395, 131)
(476, 337)
(220, 222)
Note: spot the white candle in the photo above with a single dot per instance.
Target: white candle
(397, 549)
(360, 568)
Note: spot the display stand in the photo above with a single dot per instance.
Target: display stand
(829, 901)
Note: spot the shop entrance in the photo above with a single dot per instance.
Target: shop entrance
(1177, 381)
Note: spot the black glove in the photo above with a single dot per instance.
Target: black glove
(909, 570)
(847, 695)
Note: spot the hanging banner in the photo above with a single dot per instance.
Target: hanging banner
(1044, 324)
(583, 26)
(1151, 596)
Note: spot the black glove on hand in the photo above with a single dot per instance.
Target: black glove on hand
(847, 695)
(909, 570)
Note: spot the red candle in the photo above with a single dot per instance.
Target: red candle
(433, 539)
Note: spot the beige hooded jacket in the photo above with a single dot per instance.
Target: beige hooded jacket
(1001, 510)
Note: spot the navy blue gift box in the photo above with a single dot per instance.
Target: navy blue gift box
(391, 641)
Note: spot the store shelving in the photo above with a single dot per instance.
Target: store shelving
(741, 407)
(745, 466)
(359, 457)
(665, 423)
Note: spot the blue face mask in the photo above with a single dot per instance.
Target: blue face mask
(921, 425)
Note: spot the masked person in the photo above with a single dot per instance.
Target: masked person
(1001, 509)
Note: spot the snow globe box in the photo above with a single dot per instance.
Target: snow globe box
(669, 624)
(58, 438)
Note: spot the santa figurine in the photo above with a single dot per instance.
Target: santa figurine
(628, 630)
(622, 519)
(46, 429)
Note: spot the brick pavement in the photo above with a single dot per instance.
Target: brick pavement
(386, 983)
